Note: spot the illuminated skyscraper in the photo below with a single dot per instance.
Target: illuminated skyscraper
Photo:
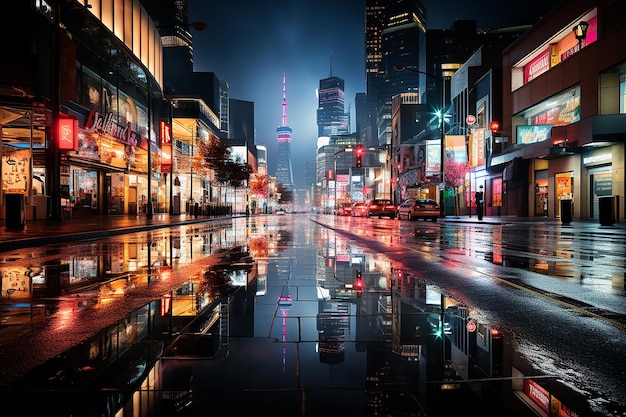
(332, 118)
(395, 35)
(284, 173)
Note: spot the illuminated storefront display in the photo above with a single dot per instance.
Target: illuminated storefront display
(561, 114)
(537, 66)
(546, 401)
(455, 148)
(112, 143)
(560, 48)
(357, 186)
(342, 186)
(538, 395)
(533, 134)
(433, 157)
(16, 172)
(477, 147)
(560, 110)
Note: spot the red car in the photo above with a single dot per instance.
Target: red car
(344, 210)
(381, 208)
(359, 210)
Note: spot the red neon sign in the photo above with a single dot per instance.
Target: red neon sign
(537, 394)
(67, 135)
(166, 132)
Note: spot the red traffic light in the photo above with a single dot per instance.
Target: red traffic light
(359, 284)
(359, 156)
(494, 126)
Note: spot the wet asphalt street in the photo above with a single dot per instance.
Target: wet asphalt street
(508, 274)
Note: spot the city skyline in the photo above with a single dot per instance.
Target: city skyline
(298, 39)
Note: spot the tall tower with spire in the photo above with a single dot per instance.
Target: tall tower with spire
(284, 173)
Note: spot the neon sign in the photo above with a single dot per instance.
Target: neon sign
(67, 135)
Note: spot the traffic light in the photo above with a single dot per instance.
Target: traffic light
(358, 284)
(359, 156)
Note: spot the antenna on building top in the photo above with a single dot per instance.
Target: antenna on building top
(331, 64)
(284, 100)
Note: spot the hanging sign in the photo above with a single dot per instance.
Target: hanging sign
(166, 132)
(68, 134)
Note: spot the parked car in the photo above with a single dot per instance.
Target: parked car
(381, 208)
(419, 208)
(359, 210)
(344, 210)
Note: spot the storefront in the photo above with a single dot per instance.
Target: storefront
(107, 174)
(23, 134)
(111, 88)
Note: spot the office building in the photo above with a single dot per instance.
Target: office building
(332, 118)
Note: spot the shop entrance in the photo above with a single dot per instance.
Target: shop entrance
(115, 193)
(132, 200)
(601, 186)
(84, 190)
(541, 193)
(564, 189)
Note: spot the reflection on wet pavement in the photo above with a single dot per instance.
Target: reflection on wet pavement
(272, 316)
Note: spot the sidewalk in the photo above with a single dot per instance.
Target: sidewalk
(589, 224)
(42, 232)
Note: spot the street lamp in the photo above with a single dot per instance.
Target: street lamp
(440, 114)
(580, 32)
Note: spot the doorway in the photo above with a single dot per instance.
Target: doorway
(132, 200)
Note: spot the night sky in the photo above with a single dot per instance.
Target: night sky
(250, 43)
